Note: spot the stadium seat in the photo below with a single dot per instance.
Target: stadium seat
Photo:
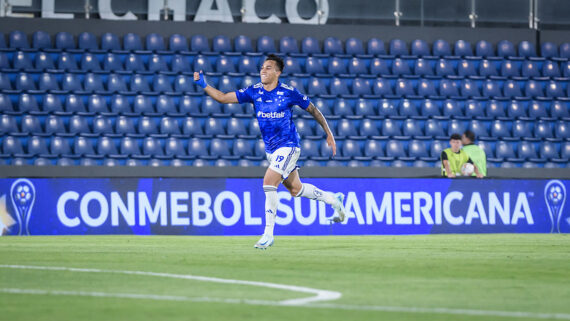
(66, 62)
(452, 108)
(417, 148)
(364, 107)
(504, 150)
(112, 62)
(22, 60)
(390, 128)
(199, 43)
(455, 127)
(161, 83)
(87, 41)
(78, 124)
(554, 89)
(444, 68)
(243, 44)
(565, 50)
(110, 41)
(387, 108)
(346, 127)
(44, 61)
(93, 82)
(174, 147)
(484, 49)
(139, 83)
(351, 148)
(342, 107)
(373, 148)
(479, 128)
(562, 130)
(500, 129)
(463, 48)
(509, 69)
(5, 81)
(526, 150)
(314, 66)
(41, 40)
(357, 66)
(395, 148)
(157, 63)
(48, 81)
(543, 129)
(60, 146)
(5, 103)
(516, 109)
(89, 62)
(491, 89)
(420, 48)
(225, 65)
(102, 125)
(565, 150)
(125, 125)
(474, 108)
(549, 50)
(336, 66)
(178, 43)
(339, 87)
(441, 48)
(169, 126)
(375, 46)
(368, 128)
(382, 87)
(152, 146)
(134, 63)
(400, 67)
(309, 148)
(129, 146)
(526, 49)
(51, 103)
(469, 88)
(437, 147)
(558, 109)
(506, 49)
(236, 126)
(292, 66)
(547, 150)
(247, 65)
(550, 69)
(132, 42)
(404, 87)
(83, 146)
(219, 147)
(266, 44)
(18, 40)
(333, 46)
(116, 83)
(354, 46)
(521, 129)
(12, 145)
(201, 63)
(422, 68)
(97, 104)
(466, 68)
(25, 81)
(361, 86)
(411, 128)
(106, 146)
(27, 103)
(120, 104)
(398, 47)
(310, 45)
(317, 87)
(53, 125)
(214, 126)
(533, 89)
(407, 108)
(30, 124)
(487, 68)
(530, 69)
(221, 43)
(448, 88)
(147, 126)
(143, 104)
(512, 89)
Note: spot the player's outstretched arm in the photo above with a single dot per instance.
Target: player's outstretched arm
(320, 118)
(224, 98)
(477, 172)
(450, 174)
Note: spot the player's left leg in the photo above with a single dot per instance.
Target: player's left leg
(298, 189)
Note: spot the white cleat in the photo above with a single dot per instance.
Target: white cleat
(264, 242)
(339, 208)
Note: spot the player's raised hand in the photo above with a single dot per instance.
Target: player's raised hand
(331, 143)
(199, 79)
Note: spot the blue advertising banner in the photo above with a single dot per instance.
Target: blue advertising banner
(211, 206)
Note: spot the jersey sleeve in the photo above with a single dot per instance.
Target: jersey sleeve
(244, 95)
(443, 156)
(299, 99)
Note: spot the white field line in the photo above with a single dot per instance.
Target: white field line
(318, 295)
(487, 313)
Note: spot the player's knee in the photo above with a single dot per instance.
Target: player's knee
(294, 191)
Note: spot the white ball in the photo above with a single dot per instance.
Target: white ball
(467, 169)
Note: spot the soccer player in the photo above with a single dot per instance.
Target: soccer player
(454, 157)
(475, 153)
(273, 102)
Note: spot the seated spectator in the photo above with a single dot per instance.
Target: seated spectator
(475, 153)
(453, 158)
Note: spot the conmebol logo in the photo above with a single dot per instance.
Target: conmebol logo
(274, 114)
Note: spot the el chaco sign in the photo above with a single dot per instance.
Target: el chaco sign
(208, 10)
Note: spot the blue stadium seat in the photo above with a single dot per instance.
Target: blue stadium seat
(361, 86)
(134, 63)
(496, 109)
(232, 109)
(219, 147)
(184, 84)
(143, 104)
(512, 89)
(487, 68)
(469, 88)
(317, 87)
(357, 66)
(426, 88)
(452, 108)
(64, 41)
(60, 146)
(554, 89)
(387, 108)
(124, 125)
(505, 49)
(314, 66)
(559, 109)
(169, 125)
(444, 68)
(48, 81)
(333, 46)
(526, 150)
(292, 66)
(351, 148)
(484, 49)
(548, 150)
(161, 83)
(310, 45)
(247, 64)
(379, 67)
(533, 89)
(504, 150)
(420, 48)
(530, 69)
(543, 129)
(404, 87)
(66, 62)
(71, 82)
(437, 147)
(463, 48)
(120, 104)
(152, 146)
(83, 146)
(304, 127)
(550, 69)
(346, 127)
(110, 41)
(455, 127)
(526, 49)
(479, 128)
(354, 46)
(178, 43)
(398, 47)
(5, 81)
(180, 64)
(236, 126)
(155, 42)
(116, 83)
(53, 124)
(423, 68)
(5, 63)
(97, 104)
(243, 44)
(417, 148)
(93, 82)
(466, 68)
(87, 41)
(174, 147)
(30, 124)
(441, 48)
(147, 126)
(225, 65)
(132, 42)
(221, 43)
(368, 128)
(139, 83)
(448, 88)
(102, 125)
(201, 63)
(491, 89)
(521, 129)
(112, 62)
(549, 50)
(266, 44)
(382, 87)
(395, 148)
(510, 69)
(336, 66)
(22, 60)
(411, 127)
(25, 81)
(5, 103)
(41, 40)
(474, 108)
(373, 148)
(51, 103)
(562, 130)
(516, 109)
(165, 104)
(192, 126)
(214, 126)
(400, 67)
(339, 86)
(89, 62)
(538, 109)
(157, 63)
(18, 40)
(106, 146)
(364, 107)
(390, 128)
(565, 150)
(27, 103)
(309, 148)
(375, 46)
(199, 43)
(210, 106)
(12, 145)
(342, 107)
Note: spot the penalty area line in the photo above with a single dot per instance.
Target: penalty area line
(393, 309)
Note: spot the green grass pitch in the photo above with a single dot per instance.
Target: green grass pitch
(432, 277)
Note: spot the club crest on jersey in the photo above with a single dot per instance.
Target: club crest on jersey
(272, 115)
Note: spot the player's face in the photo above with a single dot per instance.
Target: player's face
(269, 72)
(464, 140)
(455, 145)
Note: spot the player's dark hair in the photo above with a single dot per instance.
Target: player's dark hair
(278, 61)
(455, 137)
(470, 135)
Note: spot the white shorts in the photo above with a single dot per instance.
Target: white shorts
(284, 160)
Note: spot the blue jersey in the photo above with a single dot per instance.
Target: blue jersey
(274, 113)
